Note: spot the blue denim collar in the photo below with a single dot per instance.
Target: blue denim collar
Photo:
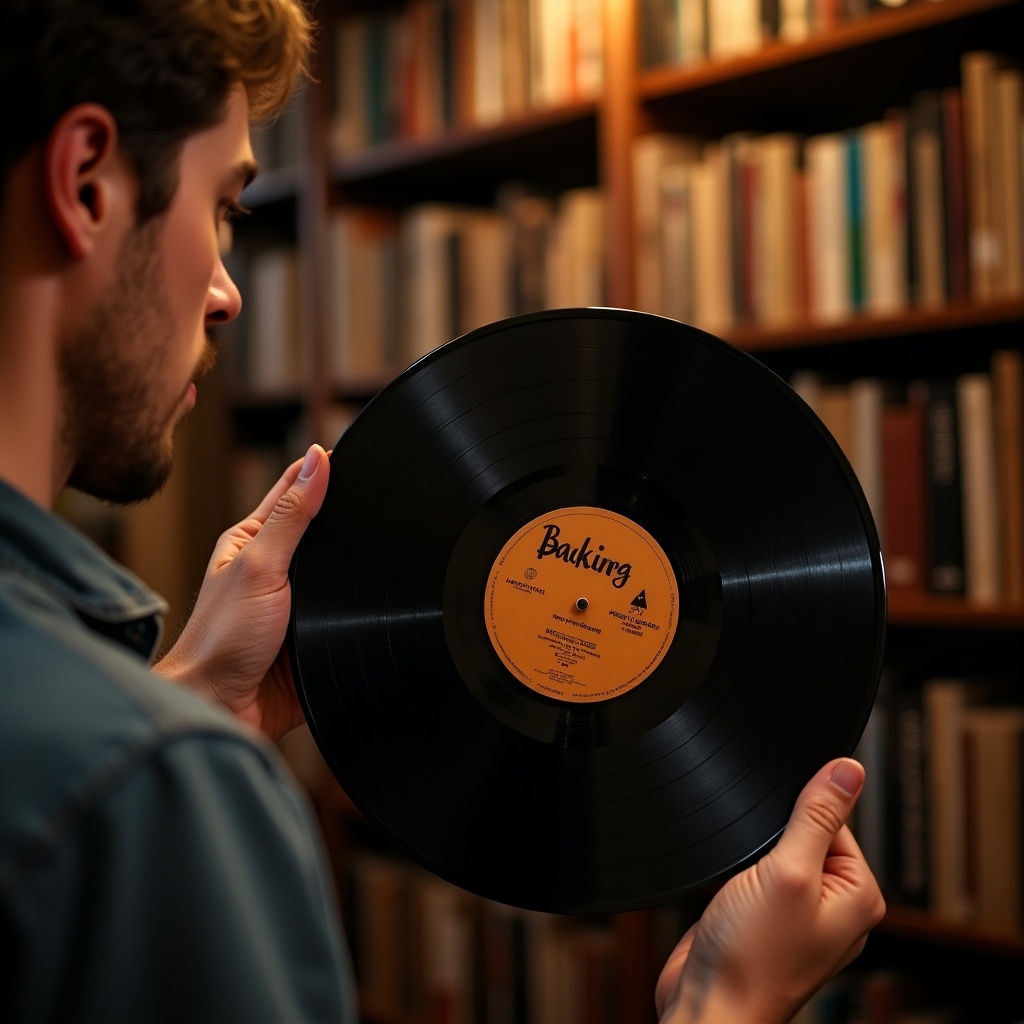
(45, 548)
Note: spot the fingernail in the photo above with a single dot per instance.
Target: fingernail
(310, 463)
(846, 776)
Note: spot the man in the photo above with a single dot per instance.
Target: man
(156, 861)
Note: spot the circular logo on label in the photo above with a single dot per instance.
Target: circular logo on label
(581, 604)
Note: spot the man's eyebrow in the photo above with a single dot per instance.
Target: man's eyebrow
(245, 172)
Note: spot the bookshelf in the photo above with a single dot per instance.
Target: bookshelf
(846, 65)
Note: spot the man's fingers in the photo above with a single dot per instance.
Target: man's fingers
(284, 481)
(291, 504)
(821, 810)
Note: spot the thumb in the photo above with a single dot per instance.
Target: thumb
(294, 508)
(822, 808)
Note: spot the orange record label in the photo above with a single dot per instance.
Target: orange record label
(581, 604)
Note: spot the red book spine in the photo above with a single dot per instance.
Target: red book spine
(905, 506)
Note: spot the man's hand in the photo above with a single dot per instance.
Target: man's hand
(231, 649)
(776, 932)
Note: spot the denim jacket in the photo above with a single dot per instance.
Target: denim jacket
(157, 861)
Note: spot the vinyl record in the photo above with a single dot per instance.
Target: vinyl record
(591, 596)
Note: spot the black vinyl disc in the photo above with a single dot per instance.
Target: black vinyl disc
(591, 596)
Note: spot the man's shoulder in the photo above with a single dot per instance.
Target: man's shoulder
(79, 714)
(62, 673)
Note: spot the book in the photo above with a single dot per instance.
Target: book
(657, 32)
(795, 20)
(745, 222)
(944, 702)
(711, 240)
(377, 919)
(867, 397)
(425, 103)
(870, 820)
(855, 207)
(691, 21)
(904, 510)
(1007, 368)
(531, 224)
(652, 155)
(828, 227)
(586, 49)
(488, 102)
(958, 281)
(362, 276)
(804, 268)
(1008, 141)
(775, 259)
(442, 929)
(677, 257)
(908, 835)
(926, 192)
(429, 250)
(977, 71)
(945, 505)
(577, 252)
(274, 320)
(807, 383)
(485, 269)
(350, 103)
(503, 982)
(835, 409)
(994, 779)
(549, 32)
(884, 250)
(979, 488)
(734, 27)
(515, 61)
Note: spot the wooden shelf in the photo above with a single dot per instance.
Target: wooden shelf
(914, 322)
(459, 143)
(886, 27)
(924, 927)
(467, 164)
(938, 612)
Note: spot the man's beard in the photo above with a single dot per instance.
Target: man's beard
(111, 376)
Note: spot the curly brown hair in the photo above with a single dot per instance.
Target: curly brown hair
(163, 68)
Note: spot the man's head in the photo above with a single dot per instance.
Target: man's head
(128, 150)
(161, 67)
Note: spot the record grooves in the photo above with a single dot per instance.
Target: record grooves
(591, 596)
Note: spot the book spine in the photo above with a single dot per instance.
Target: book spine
(903, 488)
(909, 873)
(955, 173)
(855, 213)
(945, 509)
(980, 492)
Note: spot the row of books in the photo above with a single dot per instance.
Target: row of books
(687, 32)
(417, 70)
(942, 823)
(402, 283)
(895, 996)
(922, 207)
(941, 464)
(268, 351)
(426, 950)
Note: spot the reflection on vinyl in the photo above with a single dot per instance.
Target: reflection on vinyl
(591, 596)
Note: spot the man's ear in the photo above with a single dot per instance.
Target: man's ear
(81, 158)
